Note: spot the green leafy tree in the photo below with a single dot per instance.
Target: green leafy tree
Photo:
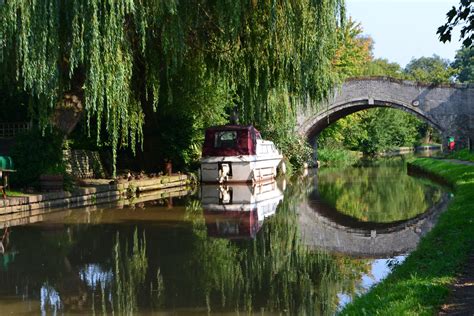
(373, 131)
(430, 69)
(462, 15)
(278, 125)
(387, 129)
(464, 64)
(382, 67)
(377, 130)
(346, 132)
(354, 50)
(120, 60)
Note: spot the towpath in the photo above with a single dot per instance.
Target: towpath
(457, 161)
(461, 299)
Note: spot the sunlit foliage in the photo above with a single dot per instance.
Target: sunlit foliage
(430, 69)
(383, 67)
(120, 57)
(354, 51)
(464, 64)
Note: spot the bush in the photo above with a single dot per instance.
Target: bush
(337, 157)
(34, 154)
(296, 149)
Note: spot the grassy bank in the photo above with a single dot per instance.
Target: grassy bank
(421, 284)
(337, 157)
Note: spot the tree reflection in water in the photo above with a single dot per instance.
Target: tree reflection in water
(146, 267)
(273, 272)
(381, 192)
(129, 273)
(122, 289)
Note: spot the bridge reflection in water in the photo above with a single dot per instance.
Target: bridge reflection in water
(162, 255)
(238, 211)
(324, 227)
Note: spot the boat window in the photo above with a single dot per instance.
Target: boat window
(227, 227)
(226, 139)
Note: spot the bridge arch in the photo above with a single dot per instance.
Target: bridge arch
(447, 108)
(337, 111)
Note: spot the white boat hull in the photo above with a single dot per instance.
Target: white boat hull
(248, 168)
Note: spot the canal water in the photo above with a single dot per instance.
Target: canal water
(305, 246)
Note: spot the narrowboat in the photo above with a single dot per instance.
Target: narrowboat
(235, 153)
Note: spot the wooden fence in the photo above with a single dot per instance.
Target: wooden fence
(11, 129)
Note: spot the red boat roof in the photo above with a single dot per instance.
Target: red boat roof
(230, 140)
(232, 128)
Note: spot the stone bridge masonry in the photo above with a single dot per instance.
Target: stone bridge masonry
(321, 226)
(447, 107)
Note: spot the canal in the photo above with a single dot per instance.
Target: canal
(305, 246)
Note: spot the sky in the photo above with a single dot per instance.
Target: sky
(405, 29)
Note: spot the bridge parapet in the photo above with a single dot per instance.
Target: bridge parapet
(447, 107)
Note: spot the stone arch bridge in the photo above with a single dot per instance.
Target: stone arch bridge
(449, 108)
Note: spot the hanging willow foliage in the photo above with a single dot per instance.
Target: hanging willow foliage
(118, 56)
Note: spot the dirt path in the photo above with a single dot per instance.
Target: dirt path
(459, 162)
(461, 299)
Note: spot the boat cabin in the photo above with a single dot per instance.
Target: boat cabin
(230, 140)
(236, 153)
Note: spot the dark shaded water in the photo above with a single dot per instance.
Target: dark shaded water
(270, 249)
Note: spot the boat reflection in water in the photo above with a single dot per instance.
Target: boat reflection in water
(238, 211)
(311, 257)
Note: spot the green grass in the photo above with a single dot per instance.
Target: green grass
(421, 284)
(332, 157)
(13, 193)
(462, 154)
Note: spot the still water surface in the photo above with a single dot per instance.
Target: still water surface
(304, 247)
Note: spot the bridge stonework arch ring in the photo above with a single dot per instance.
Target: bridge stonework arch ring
(447, 108)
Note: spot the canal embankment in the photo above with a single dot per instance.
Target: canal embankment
(423, 283)
(330, 157)
(92, 192)
(410, 150)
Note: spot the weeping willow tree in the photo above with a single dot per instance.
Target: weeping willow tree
(113, 60)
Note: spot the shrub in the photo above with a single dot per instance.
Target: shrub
(34, 154)
(336, 157)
